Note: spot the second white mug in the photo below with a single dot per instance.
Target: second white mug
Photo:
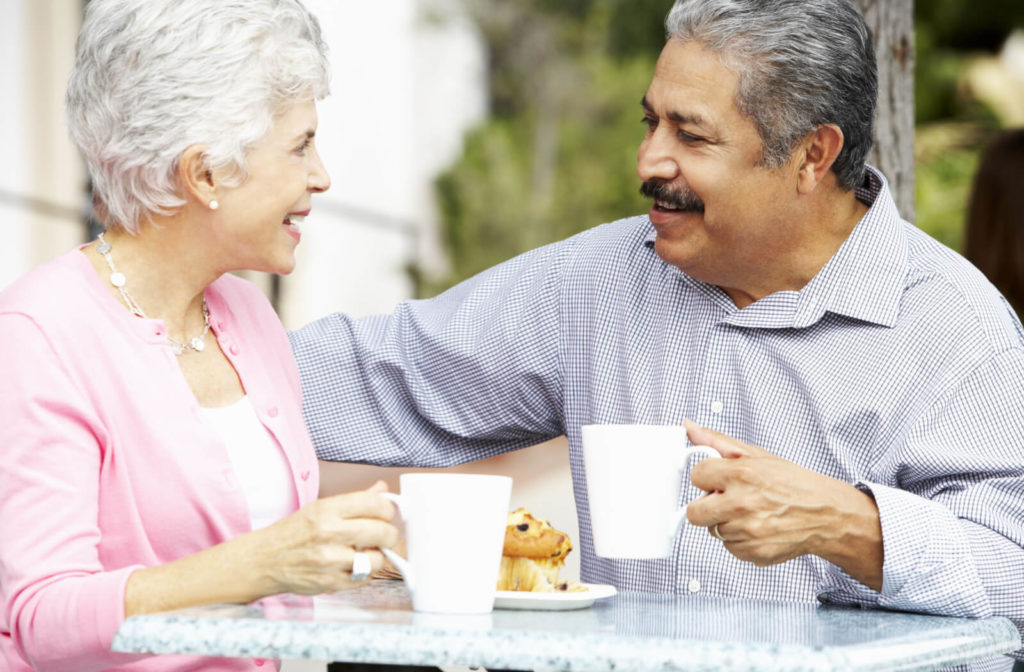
(634, 478)
(454, 530)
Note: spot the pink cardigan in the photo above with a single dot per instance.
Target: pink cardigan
(106, 465)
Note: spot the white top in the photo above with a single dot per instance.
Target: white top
(260, 466)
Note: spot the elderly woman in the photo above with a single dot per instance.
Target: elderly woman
(152, 450)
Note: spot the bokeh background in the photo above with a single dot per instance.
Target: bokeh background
(462, 132)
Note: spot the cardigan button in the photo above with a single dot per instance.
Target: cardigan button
(234, 349)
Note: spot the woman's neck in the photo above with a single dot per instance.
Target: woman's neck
(164, 274)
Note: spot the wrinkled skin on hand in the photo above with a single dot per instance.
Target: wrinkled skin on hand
(770, 510)
(311, 551)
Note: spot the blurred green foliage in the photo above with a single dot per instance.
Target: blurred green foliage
(558, 151)
(952, 124)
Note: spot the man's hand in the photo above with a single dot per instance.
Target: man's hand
(769, 510)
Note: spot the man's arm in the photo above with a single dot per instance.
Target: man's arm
(469, 374)
(949, 496)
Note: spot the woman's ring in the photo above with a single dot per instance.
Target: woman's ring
(714, 531)
(361, 567)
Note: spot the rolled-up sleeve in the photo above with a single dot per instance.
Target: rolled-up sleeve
(951, 514)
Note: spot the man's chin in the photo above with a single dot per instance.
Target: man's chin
(678, 251)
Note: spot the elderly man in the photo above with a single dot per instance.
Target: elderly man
(864, 382)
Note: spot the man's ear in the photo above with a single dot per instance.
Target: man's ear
(819, 151)
(197, 180)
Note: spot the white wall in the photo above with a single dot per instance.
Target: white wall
(405, 87)
(41, 178)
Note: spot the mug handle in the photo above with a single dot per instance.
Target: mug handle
(403, 565)
(688, 452)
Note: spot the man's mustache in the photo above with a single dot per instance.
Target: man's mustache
(685, 201)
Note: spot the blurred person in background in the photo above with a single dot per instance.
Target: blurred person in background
(994, 230)
(152, 450)
(863, 381)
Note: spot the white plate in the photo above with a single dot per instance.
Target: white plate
(513, 599)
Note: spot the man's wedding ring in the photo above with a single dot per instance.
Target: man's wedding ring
(361, 567)
(714, 531)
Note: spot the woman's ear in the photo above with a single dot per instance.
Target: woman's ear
(821, 148)
(197, 180)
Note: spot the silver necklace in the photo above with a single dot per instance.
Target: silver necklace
(117, 279)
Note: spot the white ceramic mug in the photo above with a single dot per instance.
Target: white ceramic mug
(455, 531)
(634, 478)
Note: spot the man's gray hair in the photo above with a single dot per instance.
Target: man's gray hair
(800, 63)
(152, 77)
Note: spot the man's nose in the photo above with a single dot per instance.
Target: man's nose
(654, 160)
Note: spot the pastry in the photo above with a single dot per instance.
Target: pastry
(533, 554)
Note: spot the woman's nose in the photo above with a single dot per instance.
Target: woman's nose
(319, 180)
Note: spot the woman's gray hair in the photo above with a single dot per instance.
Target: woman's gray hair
(152, 77)
(800, 64)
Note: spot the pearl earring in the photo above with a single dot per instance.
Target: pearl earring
(214, 205)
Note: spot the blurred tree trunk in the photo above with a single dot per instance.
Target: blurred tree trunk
(892, 22)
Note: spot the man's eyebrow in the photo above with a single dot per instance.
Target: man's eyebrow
(677, 117)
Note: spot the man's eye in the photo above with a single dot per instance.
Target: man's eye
(688, 138)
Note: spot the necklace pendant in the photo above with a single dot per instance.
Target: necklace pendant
(178, 348)
(197, 344)
(117, 279)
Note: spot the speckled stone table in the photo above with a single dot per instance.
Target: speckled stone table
(631, 631)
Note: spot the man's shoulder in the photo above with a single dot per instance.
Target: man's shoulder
(946, 287)
(623, 241)
(605, 248)
(624, 233)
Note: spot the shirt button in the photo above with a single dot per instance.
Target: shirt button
(693, 586)
(234, 349)
(272, 411)
(717, 406)
(159, 331)
(259, 662)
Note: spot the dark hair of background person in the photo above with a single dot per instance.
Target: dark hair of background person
(994, 230)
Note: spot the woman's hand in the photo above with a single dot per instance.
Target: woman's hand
(308, 552)
(311, 551)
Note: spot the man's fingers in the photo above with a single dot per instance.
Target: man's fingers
(729, 447)
(711, 475)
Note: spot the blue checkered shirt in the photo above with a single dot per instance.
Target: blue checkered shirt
(898, 368)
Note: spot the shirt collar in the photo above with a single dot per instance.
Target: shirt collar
(863, 280)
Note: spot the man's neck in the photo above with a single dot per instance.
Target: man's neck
(827, 228)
